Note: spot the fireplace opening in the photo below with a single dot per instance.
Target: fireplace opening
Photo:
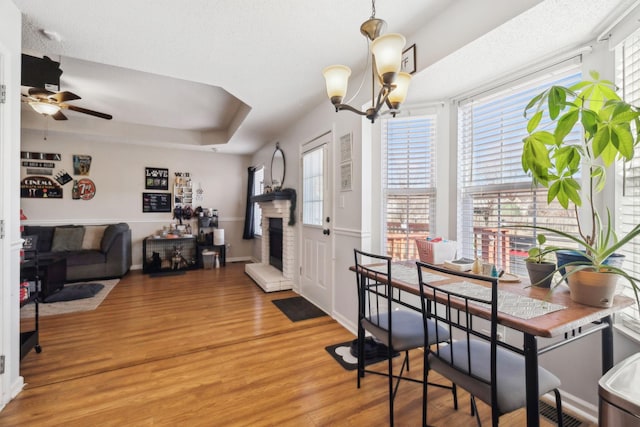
(275, 242)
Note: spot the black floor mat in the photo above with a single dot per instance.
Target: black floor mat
(343, 354)
(298, 308)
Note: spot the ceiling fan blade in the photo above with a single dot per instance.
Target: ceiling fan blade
(86, 111)
(40, 92)
(59, 116)
(64, 96)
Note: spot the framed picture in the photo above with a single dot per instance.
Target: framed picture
(345, 176)
(408, 63)
(156, 178)
(345, 148)
(156, 202)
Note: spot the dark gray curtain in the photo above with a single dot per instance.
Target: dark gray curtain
(248, 218)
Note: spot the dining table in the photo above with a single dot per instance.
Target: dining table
(534, 311)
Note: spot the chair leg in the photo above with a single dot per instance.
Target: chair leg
(391, 393)
(406, 355)
(474, 410)
(558, 407)
(425, 374)
(360, 345)
(454, 391)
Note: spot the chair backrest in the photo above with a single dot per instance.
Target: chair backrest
(455, 309)
(373, 276)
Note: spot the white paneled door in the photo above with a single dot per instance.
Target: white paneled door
(317, 247)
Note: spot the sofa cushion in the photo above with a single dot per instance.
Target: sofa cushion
(85, 257)
(110, 233)
(93, 237)
(67, 239)
(44, 233)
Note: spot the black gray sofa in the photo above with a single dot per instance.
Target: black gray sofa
(91, 251)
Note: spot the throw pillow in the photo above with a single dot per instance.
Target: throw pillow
(67, 239)
(93, 237)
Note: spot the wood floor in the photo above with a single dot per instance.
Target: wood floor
(207, 348)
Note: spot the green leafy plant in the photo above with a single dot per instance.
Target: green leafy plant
(609, 128)
(540, 253)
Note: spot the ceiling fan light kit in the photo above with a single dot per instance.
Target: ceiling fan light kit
(386, 57)
(45, 108)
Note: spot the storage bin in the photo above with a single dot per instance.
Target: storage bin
(208, 259)
(436, 252)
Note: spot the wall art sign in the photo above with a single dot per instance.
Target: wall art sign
(63, 177)
(345, 176)
(345, 148)
(156, 178)
(29, 243)
(36, 171)
(83, 189)
(49, 165)
(40, 156)
(81, 164)
(40, 187)
(156, 202)
(408, 61)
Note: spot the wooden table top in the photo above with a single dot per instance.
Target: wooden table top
(548, 325)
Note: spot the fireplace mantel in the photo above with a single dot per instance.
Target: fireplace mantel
(274, 195)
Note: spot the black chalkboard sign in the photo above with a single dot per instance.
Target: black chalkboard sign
(156, 202)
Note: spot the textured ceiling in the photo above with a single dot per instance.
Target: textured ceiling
(269, 54)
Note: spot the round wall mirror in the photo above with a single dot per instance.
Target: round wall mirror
(278, 168)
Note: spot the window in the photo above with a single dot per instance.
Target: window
(313, 186)
(495, 193)
(258, 188)
(628, 79)
(409, 191)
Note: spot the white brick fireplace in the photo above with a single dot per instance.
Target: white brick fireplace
(265, 275)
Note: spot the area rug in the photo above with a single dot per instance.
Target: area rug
(298, 308)
(64, 307)
(374, 353)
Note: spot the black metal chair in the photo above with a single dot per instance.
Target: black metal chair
(489, 369)
(381, 314)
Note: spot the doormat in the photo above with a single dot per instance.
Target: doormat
(346, 353)
(298, 308)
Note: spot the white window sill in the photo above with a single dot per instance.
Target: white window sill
(631, 334)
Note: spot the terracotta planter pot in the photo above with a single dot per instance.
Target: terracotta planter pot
(577, 257)
(592, 287)
(539, 273)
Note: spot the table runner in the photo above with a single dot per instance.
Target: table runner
(408, 274)
(509, 303)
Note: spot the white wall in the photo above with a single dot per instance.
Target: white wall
(10, 39)
(117, 170)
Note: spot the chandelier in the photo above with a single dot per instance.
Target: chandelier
(386, 57)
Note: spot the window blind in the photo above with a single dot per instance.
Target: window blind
(494, 192)
(628, 80)
(408, 183)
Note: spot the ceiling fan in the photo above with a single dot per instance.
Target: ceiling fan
(52, 103)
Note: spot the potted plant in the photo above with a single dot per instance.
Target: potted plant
(540, 268)
(609, 128)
